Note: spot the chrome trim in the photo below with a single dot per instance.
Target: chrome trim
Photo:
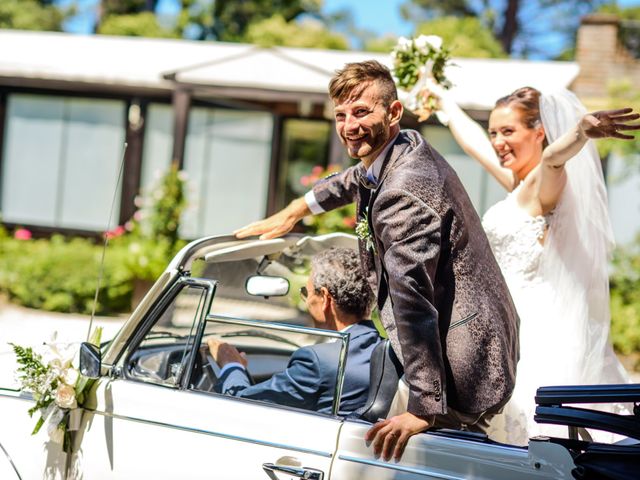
(217, 434)
(5, 392)
(15, 469)
(276, 326)
(413, 470)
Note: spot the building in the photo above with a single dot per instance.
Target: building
(244, 122)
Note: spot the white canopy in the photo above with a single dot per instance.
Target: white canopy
(230, 69)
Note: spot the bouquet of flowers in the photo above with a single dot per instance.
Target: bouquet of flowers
(415, 60)
(57, 386)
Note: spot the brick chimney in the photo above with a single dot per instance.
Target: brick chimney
(601, 58)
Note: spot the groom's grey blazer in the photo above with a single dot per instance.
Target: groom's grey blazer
(442, 297)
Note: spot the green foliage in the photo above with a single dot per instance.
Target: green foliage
(126, 7)
(629, 32)
(382, 44)
(61, 275)
(276, 31)
(521, 28)
(409, 55)
(339, 220)
(465, 36)
(153, 237)
(144, 24)
(625, 299)
(233, 18)
(31, 15)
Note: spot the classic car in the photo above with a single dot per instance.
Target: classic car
(153, 411)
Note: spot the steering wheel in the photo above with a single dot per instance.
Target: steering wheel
(209, 370)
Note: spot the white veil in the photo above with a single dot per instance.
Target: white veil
(577, 252)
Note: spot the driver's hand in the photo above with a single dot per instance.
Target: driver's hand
(224, 353)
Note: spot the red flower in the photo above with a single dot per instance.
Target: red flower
(116, 232)
(22, 234)
(349, 222)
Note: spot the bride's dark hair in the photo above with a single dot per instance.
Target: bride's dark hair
(527, 101)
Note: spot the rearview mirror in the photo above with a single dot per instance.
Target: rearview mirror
(265, 286)
(90, 360)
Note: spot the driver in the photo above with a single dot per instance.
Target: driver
(338, 298)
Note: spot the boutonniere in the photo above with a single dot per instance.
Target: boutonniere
(363, 232)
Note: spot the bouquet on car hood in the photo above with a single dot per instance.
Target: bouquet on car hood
(414, 61)
(56, 384)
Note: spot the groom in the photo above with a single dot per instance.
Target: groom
(442, 298)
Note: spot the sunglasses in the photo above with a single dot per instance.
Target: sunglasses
(304, 293)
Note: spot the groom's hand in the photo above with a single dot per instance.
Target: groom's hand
(391, 436)
(278, 224)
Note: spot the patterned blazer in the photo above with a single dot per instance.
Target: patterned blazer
(442, 297)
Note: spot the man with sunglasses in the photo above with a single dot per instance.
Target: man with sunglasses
(338, 298)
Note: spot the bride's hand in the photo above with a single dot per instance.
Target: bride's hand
(433, 88)
(609, 123)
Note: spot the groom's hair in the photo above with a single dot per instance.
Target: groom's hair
(355, 77)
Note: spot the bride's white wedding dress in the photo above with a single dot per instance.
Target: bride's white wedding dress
(556, 270)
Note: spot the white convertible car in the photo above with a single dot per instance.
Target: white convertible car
(153, 412)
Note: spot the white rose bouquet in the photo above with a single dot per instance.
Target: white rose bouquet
(414, 61)
(55, 383)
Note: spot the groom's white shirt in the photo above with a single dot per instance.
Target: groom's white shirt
(373, 172)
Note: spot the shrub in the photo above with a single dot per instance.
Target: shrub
(625, 299)
(339, 220)
(60, 275)
(151, 237)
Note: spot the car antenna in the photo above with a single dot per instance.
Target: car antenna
(106, 240)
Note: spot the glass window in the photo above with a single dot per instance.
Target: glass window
(227, 161)
(164, 352)
(61, 160)
(158, 144)
(305, 145)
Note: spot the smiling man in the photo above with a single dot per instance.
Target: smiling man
(442, 298)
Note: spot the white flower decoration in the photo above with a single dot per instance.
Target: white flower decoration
(66, 396)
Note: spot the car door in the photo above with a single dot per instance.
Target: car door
(148, 422)
(449, 455)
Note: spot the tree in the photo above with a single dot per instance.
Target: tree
(465, 36)
(276, 31)
(229, 20)
(629, 28)
(522, 28)
(143, 24)
(31, 15)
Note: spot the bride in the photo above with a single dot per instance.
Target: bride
(552, 238)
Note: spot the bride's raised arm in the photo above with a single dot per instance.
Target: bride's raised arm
(471, 137)
(601, 124)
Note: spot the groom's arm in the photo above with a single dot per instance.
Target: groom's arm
(332, 192)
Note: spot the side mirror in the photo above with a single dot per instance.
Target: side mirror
(265, 286)
(90, 360)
